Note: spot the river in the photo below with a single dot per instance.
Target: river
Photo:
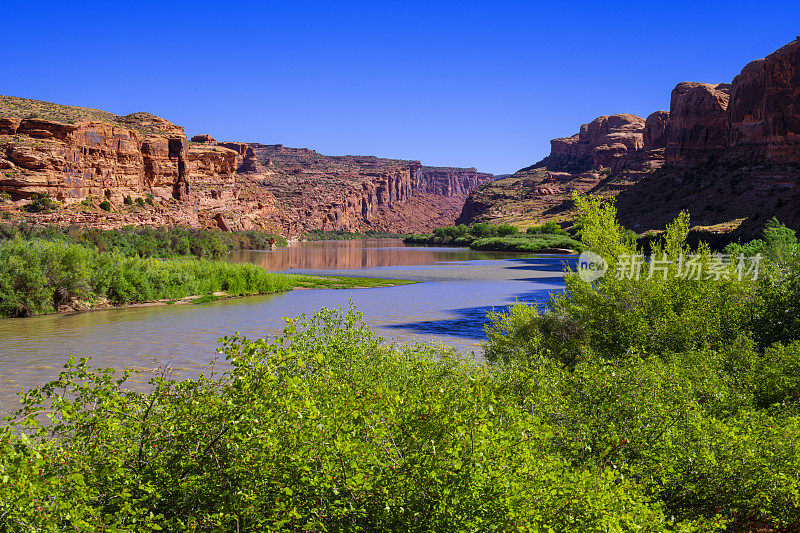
(458, 286)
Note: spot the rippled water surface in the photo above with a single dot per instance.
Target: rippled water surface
(458, 286)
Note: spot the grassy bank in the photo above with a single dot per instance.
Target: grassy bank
(136, 241)
(499, 238)
(40, 276)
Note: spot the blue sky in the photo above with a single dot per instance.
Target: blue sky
(482, 84)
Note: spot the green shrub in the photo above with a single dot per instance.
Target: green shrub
(37, 277)
(128, 200)
(551, 227)
(323, 428)
(41, 203)
(105, 205)
(140, 202)
(506, 230)
(677, 383)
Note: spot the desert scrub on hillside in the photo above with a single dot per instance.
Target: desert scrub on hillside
(41, 203)
(38, 277)
(149, 242)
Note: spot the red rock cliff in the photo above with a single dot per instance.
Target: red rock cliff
(764, 110)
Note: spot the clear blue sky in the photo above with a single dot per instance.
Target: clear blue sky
(483, 84)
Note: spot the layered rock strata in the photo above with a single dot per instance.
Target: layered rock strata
(81, 156)
(730, 153)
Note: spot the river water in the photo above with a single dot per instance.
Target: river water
(458, 286)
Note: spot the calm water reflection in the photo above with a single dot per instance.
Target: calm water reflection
(459, 287)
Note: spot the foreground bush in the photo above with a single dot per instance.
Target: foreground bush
(322, 429)
(687, 387)
(39, 276)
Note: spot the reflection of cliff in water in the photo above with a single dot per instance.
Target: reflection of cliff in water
(350, 255)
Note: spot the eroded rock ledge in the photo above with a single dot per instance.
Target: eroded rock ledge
(74, 154)
(728, 152)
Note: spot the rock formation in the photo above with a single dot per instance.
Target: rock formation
(764, 110)
(655, 130)
(726, 152)
(598, 143)
(81, 156)
(698, 123)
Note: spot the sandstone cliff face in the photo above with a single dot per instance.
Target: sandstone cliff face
(71, 162)
(745, 135)
(698, 123)
(78, 154)
(599, 143)
(356, 193)
(448, 181)
(764, 111)
(655, 130)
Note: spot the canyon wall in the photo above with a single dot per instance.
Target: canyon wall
(755, 117)
(727, 152)
(82, 157)
(357, 193)
(597, 144)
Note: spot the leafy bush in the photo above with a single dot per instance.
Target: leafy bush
(323, 428)
(105, 205)
(525, 243)
(676, 383)
(506, 230)
(551, 227)
(128, 200)
(41, 203)
(484, 236)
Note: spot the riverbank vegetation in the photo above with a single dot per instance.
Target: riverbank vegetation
(141, 241)
(337, 235)
(44, 276)
(631, 403)
(484, 236)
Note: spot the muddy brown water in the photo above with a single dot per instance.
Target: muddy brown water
(458, 286)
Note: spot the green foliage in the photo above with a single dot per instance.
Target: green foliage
(688, 386)
(140, 202)
(150, 242)
(149, 200)
(323, 428)
(105, 205)
(779, 244)
(128, 200)
(39, 276)
(41, 203)
(484, 236)
(338, 235)
(527, 243)
(506, 230)
(551, 227)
